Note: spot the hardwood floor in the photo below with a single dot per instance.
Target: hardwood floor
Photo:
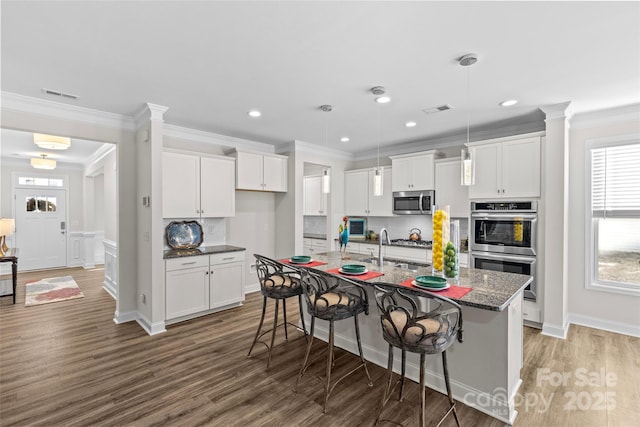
(67, 363)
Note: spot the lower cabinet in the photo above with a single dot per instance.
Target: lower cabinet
(313, 246)
(199, 284)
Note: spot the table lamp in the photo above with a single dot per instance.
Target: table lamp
(7, 225)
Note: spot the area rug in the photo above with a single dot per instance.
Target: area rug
(52, 290)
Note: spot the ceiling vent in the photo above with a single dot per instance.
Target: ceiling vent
(58, 93)
(438, 109)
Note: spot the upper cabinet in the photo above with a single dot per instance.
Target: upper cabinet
(196, 186)
(509, 169)
(315, 201)
(261, 172)
(413, 172)
(358, 191)
(448, 188)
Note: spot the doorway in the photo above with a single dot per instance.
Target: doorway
(41, 227)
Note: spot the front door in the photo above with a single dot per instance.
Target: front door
(41, 228)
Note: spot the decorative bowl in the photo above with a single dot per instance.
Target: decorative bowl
(432, 281)
(353, 268)
(300, 259)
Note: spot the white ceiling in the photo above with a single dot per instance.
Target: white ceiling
(211, 62)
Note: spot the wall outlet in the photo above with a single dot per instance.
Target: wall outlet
(143, 298)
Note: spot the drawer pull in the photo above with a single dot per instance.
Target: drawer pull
(228, 258)
(188, 263)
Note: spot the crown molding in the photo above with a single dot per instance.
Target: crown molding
(152, 112)
(299, 146)
(228, 142)
(563, 110)
(606, 117)
(98, 155)
(59, 110)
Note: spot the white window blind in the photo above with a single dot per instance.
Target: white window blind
(615, 181)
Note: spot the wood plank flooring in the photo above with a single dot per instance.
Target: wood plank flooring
(68, 364)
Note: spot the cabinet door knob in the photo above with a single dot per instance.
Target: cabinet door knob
(206, 273)
(211, 272)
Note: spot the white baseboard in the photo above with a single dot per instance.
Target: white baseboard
(111, 291)
(151, 328)
(253, 287)
(606, 325)
(128, 316)
(555, 330)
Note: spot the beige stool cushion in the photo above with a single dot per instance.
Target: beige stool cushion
(330, 299)
(277, 280)
(414, 333)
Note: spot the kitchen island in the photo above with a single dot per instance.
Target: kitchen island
(485, 368)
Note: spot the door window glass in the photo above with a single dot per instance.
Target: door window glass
(41, 204)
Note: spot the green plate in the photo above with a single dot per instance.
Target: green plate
(431, 281)
(353, 268)
(300, 259)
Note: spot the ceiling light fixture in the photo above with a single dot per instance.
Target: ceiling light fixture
(410, 124)
(43, 162)
(326, 178)
(51, 142)
(377, 177)
(254, 113)
(344, 139)
(508, 103)
(467, 167)
(383, 99)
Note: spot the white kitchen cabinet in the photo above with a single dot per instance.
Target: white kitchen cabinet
(261, 172)
(196, 186)
(313, 246)
(509, 169)
(315, 201)
(186, 286)
(448, 188)
(359, 198)
(201, 284)
(413, 172)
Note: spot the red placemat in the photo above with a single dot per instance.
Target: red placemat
(311, 264)
(452, 292)
(366, 276)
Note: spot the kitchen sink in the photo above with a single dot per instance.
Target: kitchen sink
(397, 263)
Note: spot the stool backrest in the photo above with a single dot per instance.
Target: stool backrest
(416, 320)
(277, 278)
(330, 294)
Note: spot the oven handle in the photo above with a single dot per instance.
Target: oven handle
(511, 216)
(504, 257)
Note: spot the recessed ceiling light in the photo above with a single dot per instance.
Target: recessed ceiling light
(508, 103)
(344, 139)
(383, 99)
(410, 124)
(254, 113)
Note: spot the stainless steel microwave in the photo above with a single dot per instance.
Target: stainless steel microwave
(413, 202)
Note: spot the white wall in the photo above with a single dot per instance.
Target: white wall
(588, 306)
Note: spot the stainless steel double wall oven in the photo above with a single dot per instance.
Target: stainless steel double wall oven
(503, 238)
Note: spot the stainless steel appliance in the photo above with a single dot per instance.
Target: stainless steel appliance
(407, 242)
(503, 238)
(413, 202)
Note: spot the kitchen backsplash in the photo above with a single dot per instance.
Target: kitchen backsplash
(315, 224)
(399, 226)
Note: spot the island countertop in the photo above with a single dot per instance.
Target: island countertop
(202, 250)
(492, 290)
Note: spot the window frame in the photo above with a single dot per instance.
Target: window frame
(592, 282)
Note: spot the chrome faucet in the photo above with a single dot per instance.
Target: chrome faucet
(386, 233)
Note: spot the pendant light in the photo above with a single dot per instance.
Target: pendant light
(467, 166)
(326, 178)
(51, 142)
(43, 163)
(378, 176)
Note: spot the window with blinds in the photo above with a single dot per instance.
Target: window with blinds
(614, 232)
(615, 181)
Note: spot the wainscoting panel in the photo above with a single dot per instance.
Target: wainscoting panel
(111, 268)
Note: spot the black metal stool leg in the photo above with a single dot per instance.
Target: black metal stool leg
(423, 421)
(304, 328)
(387, 392)
(446, 381)
(273, 332)
(306, 357)
(403, 376)
(329, 364)
(364, 363)
(284, 312)
(255, 340)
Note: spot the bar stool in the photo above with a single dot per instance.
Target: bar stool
(330, 297)
(278, 281)
(409, 329)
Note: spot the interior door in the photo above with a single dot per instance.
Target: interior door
(41, 228)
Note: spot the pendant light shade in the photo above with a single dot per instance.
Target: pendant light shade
(377, 182)
(43, 163)
(326, 182)
(51, 142)
(468, 168)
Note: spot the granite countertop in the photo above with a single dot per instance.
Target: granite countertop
(492, 290)
(202, 250)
